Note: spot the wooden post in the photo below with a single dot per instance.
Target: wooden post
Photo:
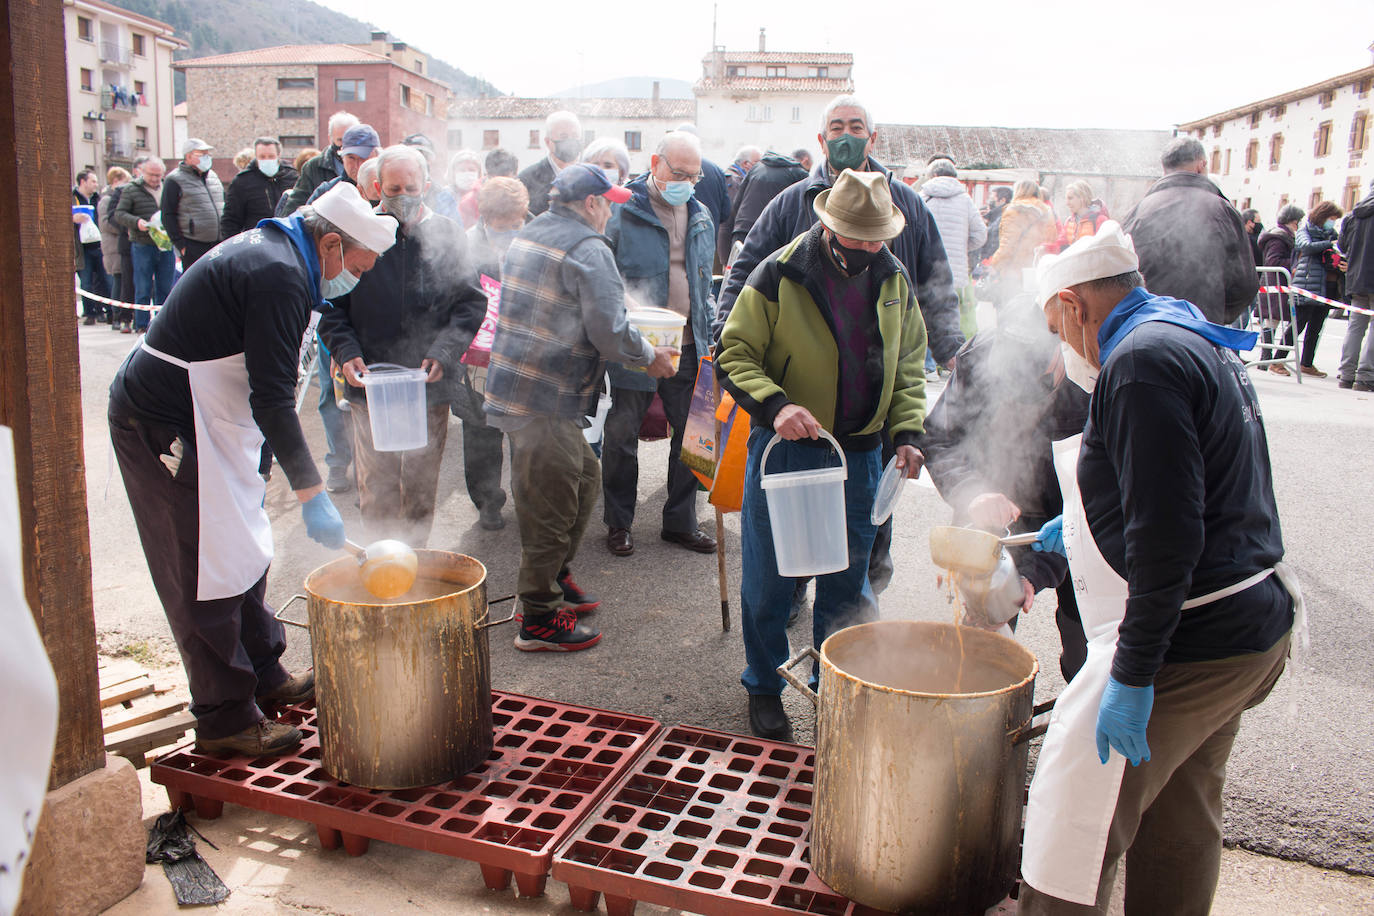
(720, 516)
(40, 378)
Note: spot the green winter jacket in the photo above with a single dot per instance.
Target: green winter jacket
(778, 345)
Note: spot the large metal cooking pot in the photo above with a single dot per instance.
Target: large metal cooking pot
(402, 686)
(920, 764)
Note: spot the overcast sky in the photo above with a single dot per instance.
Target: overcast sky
(1059, 63)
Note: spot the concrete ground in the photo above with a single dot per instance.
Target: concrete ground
(1298, 787)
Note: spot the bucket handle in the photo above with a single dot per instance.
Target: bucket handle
(486, 623)
(373, 366)
(1033, 729)
(282, 610)
(785, 671)
(763, 462)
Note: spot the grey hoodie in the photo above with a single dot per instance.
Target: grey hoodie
(961, 226)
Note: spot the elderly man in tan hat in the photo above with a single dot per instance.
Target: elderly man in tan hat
(825, 337)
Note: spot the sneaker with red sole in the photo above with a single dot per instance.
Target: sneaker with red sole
(556, 632)
(582, 602)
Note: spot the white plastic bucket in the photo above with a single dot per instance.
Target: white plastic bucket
(661, 327)
(396, 407)
(806, 513)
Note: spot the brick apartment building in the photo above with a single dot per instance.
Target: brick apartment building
(291, 90)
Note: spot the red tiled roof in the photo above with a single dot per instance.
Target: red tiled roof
(1077, 152)
(782, 57)
(288, 54)
(827, 85)
(512, 108)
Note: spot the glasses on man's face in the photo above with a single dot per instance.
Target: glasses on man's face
(680, 175)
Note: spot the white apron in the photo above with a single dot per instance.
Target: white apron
(235, 535)
(1073, 794)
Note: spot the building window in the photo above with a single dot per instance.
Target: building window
(141, 137)
(1275, 150)
(796, 113)
(1326, 98)
(419, 66)
(85, 29)
(768, 112)
(299, 112)
(753, 113)
(140, 46)
(1351, 195)
(455, 138)
(1244, 204)
(1216, 160)
(534, 139)
(634, 141)
(1227, 169)
(1252, 154)
(429, 104)
(1323, 139)
(1362, 87)
(87, 80)
(296, 141)
(1278, 111)
(296, 82)
(776, 71)
(491, 139)
(139, 88)
(818, 71)
(350, 90)
(1314, 198)
(1216, 131)
(1254, 119)
(405, 95)
(734, 71)
(1359, 132)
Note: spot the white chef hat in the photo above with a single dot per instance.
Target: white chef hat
(343, 206)
(1108, 253)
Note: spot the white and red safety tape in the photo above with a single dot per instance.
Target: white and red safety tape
(121, 305)
(1304, 294)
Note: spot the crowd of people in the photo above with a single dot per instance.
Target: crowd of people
(844, 289)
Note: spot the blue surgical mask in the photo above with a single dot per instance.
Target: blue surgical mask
(339, 286)
(205, 162)
(269, 166)
(678, 192)
(1329, 224)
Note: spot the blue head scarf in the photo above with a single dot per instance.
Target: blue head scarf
(1140, 306)
(294, 229)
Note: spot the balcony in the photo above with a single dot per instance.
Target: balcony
(117, 100)
(112, 52)
(117, 149)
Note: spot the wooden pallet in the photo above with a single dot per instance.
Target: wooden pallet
(137, 719)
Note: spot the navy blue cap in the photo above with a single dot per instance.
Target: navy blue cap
(581, 180)
(360, 141)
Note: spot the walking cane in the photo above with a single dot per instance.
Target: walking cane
(720, 516)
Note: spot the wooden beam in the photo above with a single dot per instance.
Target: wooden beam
(40, 380)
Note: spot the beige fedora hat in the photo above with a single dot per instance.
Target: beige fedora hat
(860, 206)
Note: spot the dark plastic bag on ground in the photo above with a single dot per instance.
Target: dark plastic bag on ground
(192, 878)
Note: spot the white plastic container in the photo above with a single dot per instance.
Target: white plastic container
(806, 513)
(661, 327)
(396, 407)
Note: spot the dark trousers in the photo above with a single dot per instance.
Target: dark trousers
(482, 464)
(620, 451)
(553, 477)
(1073, 651)
(193, 252)
(94, 280)
(1309, 318)
(231, 647)
(124, 289)
(397, 490)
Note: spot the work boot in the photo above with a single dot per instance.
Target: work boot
(489, 517)
(339, 481)
(295, 689)
(582, 602)
(556, 632)
(261, 738)
(767, 718)
(1363, 386)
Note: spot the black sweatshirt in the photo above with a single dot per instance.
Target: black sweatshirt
(252, 295)
(1176, 484)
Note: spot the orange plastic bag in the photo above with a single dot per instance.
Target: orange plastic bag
(727, 492)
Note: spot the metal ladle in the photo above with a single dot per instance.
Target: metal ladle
(969, 551)
(388, 568)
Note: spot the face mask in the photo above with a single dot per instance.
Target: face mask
(465, 181)
(269, 166)
(205, 163)
(340, 286)
(567, 149)
(853, 261)
(676, 193)
(1329, 225)
(846, 152)
(612, 175)
(404, 207)
(1079, 371)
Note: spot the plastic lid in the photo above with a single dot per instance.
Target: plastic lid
(889, 491)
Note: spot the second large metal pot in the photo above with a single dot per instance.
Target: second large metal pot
(920, 764)
(402, 686)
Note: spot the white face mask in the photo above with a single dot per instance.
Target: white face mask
(1078, 369)
(269, 166)
(612, 175)
(465, 181)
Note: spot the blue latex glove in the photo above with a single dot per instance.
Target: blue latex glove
(1121, 721)
(322, 521)
(1051, 537)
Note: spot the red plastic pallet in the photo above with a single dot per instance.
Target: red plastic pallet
(707, 822)
(550, 764)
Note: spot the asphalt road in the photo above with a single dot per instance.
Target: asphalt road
(1298, 786)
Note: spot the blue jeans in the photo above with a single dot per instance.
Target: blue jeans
(153, 276)
(94, 280)
(338, 437)
(842, 598)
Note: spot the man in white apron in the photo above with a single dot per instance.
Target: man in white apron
(189, 411)
(1172, 536)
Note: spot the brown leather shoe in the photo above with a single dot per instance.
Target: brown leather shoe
(1278, 369)
(296, 689)
(619, 543)
(692, 540)
(263, 737)
(1313, 371)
